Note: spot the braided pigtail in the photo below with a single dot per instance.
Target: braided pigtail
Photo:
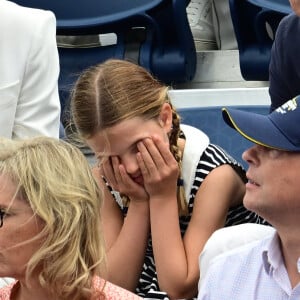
(174, 148)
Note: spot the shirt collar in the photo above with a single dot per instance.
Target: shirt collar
(271, 254)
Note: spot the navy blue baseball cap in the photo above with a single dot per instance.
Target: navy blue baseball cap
(278, 130)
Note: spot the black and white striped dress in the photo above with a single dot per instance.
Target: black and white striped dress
(211, 158)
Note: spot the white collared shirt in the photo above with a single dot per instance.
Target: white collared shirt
(255, 271)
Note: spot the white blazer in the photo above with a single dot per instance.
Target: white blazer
(29, 69)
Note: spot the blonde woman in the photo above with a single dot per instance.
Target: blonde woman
(170, 187)
(50, 235)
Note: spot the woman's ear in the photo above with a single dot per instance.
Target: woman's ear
(166, 117)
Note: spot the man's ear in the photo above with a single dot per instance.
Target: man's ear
(166, 117)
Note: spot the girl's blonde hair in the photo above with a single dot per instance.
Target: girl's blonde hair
(55, 179)
(118, 90)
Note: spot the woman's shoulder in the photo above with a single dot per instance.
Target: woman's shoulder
(112, 291)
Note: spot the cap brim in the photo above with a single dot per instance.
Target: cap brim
(257, 128)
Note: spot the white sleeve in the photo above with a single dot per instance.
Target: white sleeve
(38, 108)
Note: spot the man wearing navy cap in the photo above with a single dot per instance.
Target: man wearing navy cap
(268, 268)
(284, 70)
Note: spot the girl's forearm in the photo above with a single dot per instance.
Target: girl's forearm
(171, 258)
(126, 255)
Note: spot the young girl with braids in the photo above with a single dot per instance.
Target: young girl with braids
(167, 189)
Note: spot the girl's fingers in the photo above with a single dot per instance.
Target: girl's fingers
(142, 165)
(155, 153)
(145, 159)
(163, 148)
(125, 179)
(119, 180)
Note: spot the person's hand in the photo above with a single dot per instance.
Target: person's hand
(159, 167)
(116, 176)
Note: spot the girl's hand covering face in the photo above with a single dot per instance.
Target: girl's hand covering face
(158, 166)
(158, 171)
(117, 177)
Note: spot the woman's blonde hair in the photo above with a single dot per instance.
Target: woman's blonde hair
(55, 179)
(118, 90)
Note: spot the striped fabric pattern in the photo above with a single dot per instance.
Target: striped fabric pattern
(213, 157)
